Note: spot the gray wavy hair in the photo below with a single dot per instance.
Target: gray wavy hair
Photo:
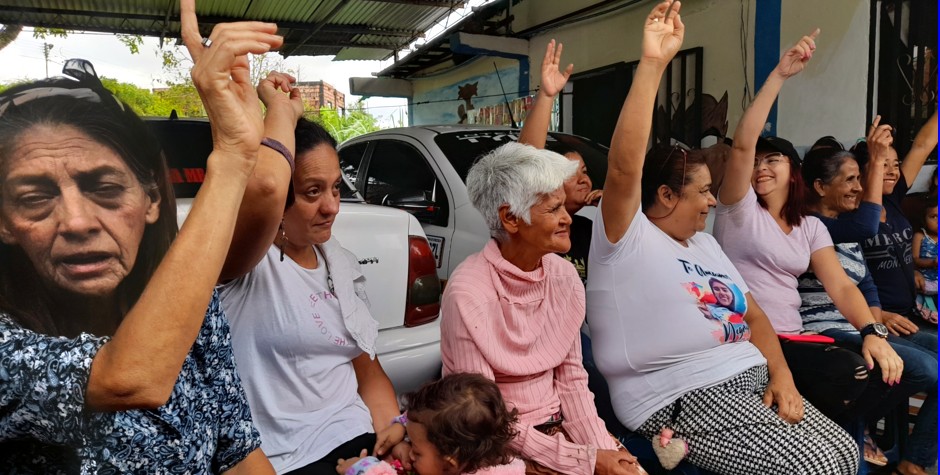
(516, 175)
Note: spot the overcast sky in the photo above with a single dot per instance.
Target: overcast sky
(24, 59)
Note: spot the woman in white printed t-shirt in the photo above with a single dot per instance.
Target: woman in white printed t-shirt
(672, 370)
(302, 332)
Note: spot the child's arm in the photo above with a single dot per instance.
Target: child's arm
(921, 262)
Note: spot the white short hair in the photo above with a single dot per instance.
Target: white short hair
(516, 175)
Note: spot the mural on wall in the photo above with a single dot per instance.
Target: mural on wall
(465, 100)
(465, 93)
(683, 125)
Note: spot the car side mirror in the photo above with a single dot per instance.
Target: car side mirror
(414, 202)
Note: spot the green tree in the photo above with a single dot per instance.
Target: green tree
(355, 122)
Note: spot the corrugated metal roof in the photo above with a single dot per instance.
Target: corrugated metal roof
(351, 29)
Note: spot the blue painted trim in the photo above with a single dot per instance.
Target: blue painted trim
(523, 87)
(767, 47)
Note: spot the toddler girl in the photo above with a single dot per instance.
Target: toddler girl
(925, 258)
(457, 425)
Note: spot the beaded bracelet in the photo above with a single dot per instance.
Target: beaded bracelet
(402, 419)
(279, 148)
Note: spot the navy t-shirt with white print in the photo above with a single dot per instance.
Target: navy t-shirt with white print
(890, 258)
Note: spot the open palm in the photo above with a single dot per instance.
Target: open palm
(663, 32)
(553, 78)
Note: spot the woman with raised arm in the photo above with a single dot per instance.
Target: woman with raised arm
(673, 371)
(889, 252)
(115, 353)
(833, 180)
(302, 330)
(579, 190)
(513, 311)
(763, 226)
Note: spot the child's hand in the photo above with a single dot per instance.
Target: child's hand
(343, 464)
(402, 453)
(388, 438)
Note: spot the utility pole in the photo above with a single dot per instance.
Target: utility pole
(46, 48)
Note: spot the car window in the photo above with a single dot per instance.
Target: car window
(399, 176)
(463, 149)
(350, 157)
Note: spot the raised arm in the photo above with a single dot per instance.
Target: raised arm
(535, 129)
(139, 367)
(740, 165)
(263, 204)
(879, 142)
(662, 38)
(924, 143)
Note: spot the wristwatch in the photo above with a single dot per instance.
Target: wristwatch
(876, 329)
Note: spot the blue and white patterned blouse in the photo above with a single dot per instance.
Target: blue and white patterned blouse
(205, 427)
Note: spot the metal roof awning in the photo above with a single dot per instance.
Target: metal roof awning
(349, 29)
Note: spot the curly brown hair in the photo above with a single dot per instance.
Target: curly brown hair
(466, 419)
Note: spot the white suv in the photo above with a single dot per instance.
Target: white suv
(403, 288)
(422, 170)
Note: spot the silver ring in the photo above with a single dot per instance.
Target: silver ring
(206, 42)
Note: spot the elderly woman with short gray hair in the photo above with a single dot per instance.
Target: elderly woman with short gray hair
(512, 312)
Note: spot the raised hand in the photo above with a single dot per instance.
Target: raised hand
(553, 78)
(271, 90)
(795, 59)
(879, 140)
(663, 33)
(220, 74)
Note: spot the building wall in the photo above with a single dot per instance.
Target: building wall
(714, 25)
(437, 98)
(313, 91)
(826, 99)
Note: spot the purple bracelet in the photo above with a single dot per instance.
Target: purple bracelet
(279, 148)
(402, 419)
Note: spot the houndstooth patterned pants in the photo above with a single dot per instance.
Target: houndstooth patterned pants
(731, 432)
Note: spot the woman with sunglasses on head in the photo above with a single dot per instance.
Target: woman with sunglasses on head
(672, 371)
(763, 226)
(115, 353)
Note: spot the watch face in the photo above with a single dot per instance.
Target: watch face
(880, 330)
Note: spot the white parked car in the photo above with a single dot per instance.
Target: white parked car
(403, 288)
(422, 169)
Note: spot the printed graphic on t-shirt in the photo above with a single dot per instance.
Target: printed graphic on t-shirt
(580, 264)
(318, 302)
(889, 250)
(721, 301)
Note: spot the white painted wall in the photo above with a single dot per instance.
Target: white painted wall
(714, 25)
(829, 96)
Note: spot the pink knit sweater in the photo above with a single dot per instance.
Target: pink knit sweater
(521, 329)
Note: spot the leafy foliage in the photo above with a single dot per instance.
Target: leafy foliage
(355, 122)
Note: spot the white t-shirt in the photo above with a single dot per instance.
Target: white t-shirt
(294, 355)
(770, 260)
(665, 319)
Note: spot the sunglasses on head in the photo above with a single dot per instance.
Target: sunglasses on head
(79, 69)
